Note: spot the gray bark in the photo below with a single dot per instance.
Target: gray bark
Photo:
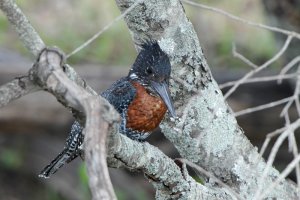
(20, 23)
(170, 180)
(207, 132)
(49, 73)
(15, 89)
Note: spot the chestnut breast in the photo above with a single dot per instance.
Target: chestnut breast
(145, 112)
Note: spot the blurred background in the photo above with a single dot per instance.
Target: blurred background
(33, 129)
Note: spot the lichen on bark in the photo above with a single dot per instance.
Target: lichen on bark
(207, 132)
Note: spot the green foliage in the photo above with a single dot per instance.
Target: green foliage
(84, 180)
(52, 195)
(84, 19)
(141, 194)
(11, 158)
(225, 43)
(83, 174)
(115, 47)
(263, 45)
(4, 27)
(199, 179)
(121, 195)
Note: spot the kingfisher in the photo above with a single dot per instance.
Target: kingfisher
(141, 98)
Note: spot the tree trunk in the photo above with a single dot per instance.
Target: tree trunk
(207, 132)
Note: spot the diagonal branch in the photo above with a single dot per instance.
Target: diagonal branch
(20, 23)
(101, 118)
(243, 21)
(208, 134)
(33, 42)
(168, 178)
(48, 73)
(15, 89)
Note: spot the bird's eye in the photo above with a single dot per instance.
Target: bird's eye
(149, 70)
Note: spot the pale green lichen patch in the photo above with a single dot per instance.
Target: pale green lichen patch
(210, 119)
(208, 134)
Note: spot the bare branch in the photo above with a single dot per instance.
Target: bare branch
(266, 64)
(20, 23)
(15, 89)
(209, 130)
(96, 132)
(268, 139)
(243, 21)
(160, 170)
(272, 155)
(207, 143)
(262, 107)
(208, 174)
(89, 41)
(260, 79)
(242, 58)
(286, 68)
(31, 39)
(48, 73)
(282, 176)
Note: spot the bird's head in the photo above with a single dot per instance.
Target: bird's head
(152, 69)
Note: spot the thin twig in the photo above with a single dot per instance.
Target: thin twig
(292, 141)
(282, 176)
(210, 175)
(286, 68)
(16, 89)
(266, 64)
(260, 79)
(49, 67)
(297, 92)
(243, 21)
(262, 107)
(105, 28)
(20, 23)
(295, 98)
(293, 147)
(242, 58)
(268, 139)
(272, 155)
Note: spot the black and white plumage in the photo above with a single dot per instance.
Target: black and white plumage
(145, 85)
(71, 151)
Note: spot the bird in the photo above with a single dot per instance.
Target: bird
(141, 98)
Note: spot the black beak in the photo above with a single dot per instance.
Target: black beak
(163, 90)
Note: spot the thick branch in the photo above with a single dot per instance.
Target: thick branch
(32, 41)
(48, 73)
(207, 133)
(95, 148)
(170, 180)
(15, 89)
(20, 23)
(100, 119)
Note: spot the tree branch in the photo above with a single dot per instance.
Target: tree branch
(170, 180)
(101, 118)
(243, 21)
(208, 135)
(32, 41)
(15, 89)
(20, 23)
(49, 74)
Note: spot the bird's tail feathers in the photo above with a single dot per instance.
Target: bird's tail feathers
(57, 163)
